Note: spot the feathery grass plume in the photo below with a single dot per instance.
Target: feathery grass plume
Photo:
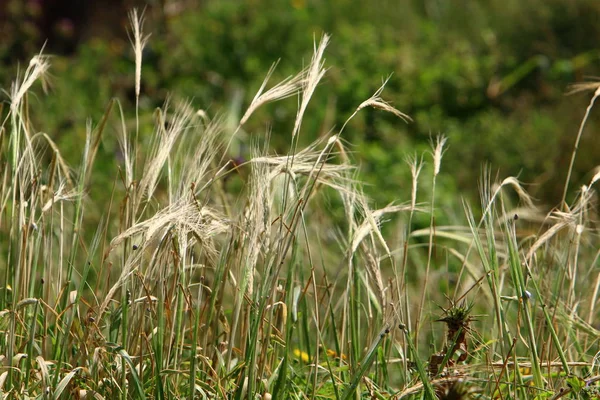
(257, 219)
(199, 150)
(138, 42)
(516, 185)
(376, 101)
(166, 137)
(58, 195)
(36, 70)
(306, 162)
(282, 90)
(569, 218)
(547, 235)
(415, 166)
(286, 231)
(314, 73)
(181, 220)
(370, 224)
(438, 152)
(23, 159)
(596, 176)
(583, 87)
(286, 88)
(184, 217)
(315, 173)
(595, 86)
(284, 184)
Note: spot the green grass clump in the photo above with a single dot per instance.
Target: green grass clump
(209, 278)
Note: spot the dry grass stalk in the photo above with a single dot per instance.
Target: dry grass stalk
(138, 42)
(374, 270)
(182, 216)
(258, 217)
(37, 70)
(161, 149)
(282, 90)
(203, 146)
(315, 72)
(370, 224)
(24, 159)
(306, 162)
(416, 165)
(438, 152)
(376, 101)
(489, 197)
(570, 218)
(595, 86)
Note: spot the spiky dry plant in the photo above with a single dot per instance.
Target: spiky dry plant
(453, 390)
(458, 320)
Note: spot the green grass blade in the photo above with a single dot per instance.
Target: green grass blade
(137, 384)
(365, 363)
(62, 385)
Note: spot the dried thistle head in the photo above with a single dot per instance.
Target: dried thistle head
(457, 319)
(457, 316)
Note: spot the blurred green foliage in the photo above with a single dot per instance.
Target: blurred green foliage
(490, 75)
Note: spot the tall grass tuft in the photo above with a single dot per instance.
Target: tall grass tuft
(192, 288)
